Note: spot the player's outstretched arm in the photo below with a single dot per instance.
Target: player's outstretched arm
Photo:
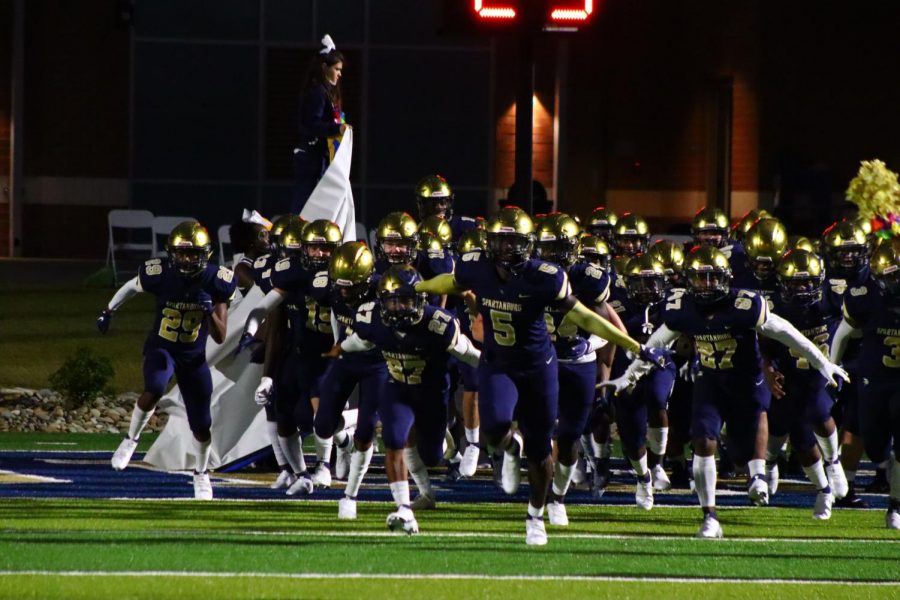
(842, 336)
(131, 288)
(591, 322)
(465, 350)
(261, 311)
(354, 343)
(662, 338)
(442, 284)
(782, 331)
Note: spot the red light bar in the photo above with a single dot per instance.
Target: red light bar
(494, 12)
(568, 14)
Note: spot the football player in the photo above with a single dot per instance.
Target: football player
(519, 372)
(872, 310)
(434, 197)
(192, 297)
(631, 236)
(709, 227)
(601, 223)
(729, 387)
(734, 248)
(414, 338)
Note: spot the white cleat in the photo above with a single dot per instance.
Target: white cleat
(469, 463)
(758, 492)
(303, 485)
(321, 478)
(837, 479)
(511, 472)
(710, 528)
(202, 486)
(284, 480)
(423, 502)
(403, 520)
(661, 481)
(892, 519)
(643, 495)
(123, 453)
(342, 460)
(772, 475)
(556, 514)
(822, 509)
(347, 508)
(535, 533)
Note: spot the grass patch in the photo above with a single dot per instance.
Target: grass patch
(38, 441)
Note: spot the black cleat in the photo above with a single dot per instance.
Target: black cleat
(453, 474)
(600, 478)
(851, 500)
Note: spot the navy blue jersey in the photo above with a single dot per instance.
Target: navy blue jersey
(307, 305)
(180, 325)
(345, 315)
(724, 333)
(414, 356)
(515, 330)
(867, 308)
(640, 321)
(460, 224)
(746, 280)
(737, 259)
(814, 323)
(833, 294)
(591, 286)
(262, 272)
(430, 263)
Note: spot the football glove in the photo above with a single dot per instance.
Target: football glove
(263, 391)
(655, 356)
(104, 320)
(206, 303)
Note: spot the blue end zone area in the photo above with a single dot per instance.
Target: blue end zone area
(89, 475)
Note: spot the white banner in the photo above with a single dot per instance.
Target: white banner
(333, 199)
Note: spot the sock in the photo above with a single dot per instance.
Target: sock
(562, 477)
(472, 435)
(657, 440)
(456, 458)
(895, 480)
(400, 492)
(323, 449)
(640, 468)
(705, 480)
(341, 438)
(201, 455)
(535, 513)
(359, 464)
(816, 475)
(417, 470)
(757, 466)
(139, 420)
(272, 430)
(850, 475)
(829, 446)
(293, 452)
(773, 448)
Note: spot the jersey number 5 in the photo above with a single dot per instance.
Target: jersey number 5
(501, 323)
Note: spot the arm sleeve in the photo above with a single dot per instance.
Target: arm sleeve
(354, 343)
(594, 323)
(131, 288)
(258, 313)
(779, 329)
(842, 336)
(441, 284)
(464, 350)
(663, 337)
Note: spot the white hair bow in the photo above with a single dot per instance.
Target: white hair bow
(328, 44)
(256, 218)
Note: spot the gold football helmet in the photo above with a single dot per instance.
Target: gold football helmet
(800, 276)
(846, 248)
(800, 242)
(438, 232)
(397, 238)
(401, 305)
(708, 274)
(765, 244)
(350, 272)
(278, 226)
(557, 239)
(885, 266)
(474, 239)
(631, 235)
(671, 255)
(601, 223)
(510, 237)
(744, 224)
(434, 197)
(645, 279)
(318, 241)
(710, 227)
(595, 251)
(189, 248)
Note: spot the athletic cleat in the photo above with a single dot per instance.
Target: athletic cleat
(643, 494)
(535, 533)
(284, 480)
(892, 519)
(600, 478)
(556, 513)
(123, 453)
(758, 492)
(322, 476)
(851, 500)
(342, 460)
(772, 475)
(423, 502)
(661, 481)
(837, 480)
(511, 475)
(202, 486)
(303, 485)
(469, 463)
(710, 528)
(346, 508)
(403, 520)
(452, 475)
(822, 509)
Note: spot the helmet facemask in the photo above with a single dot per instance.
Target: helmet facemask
(402, 308)
(708, 286)
(438, 206)
(189, 261)
(763, 268)
(560, 252)
(510, 250)
(350, 294)
(316, 254)
(397, 251)
(800, 291)
(603, 231)
(630, 245)
(889, 281)
(847, 260)
(712, 236)
(646, 289)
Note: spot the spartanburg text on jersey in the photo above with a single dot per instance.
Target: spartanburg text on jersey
(180, 325)
(515, 331)
(416, 355)
(878, 315)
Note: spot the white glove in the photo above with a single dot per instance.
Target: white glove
(263, 391)
(828, 370)
(686, 372)
(625, 383)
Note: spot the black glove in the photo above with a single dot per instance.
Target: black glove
(104, 320)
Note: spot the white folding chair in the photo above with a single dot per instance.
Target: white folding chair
(134, 220)
(163, 226)
(224, 235)
(361, 233)
(672, 237)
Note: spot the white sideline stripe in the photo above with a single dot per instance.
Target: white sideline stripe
(56, 443)
(452, 576)
(36, 478)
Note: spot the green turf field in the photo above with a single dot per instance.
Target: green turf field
(285, 549)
